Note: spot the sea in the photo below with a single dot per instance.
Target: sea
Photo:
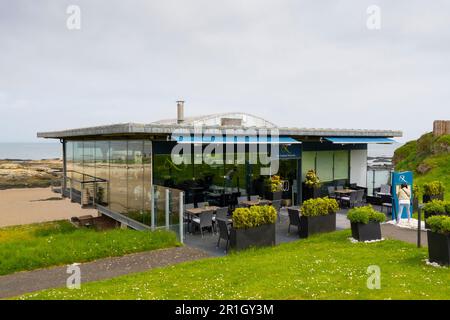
(53, 150)
(30, 150)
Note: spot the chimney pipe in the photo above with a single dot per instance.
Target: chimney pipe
(180, 111)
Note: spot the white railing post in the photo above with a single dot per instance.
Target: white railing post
(152, 204)
(167, 208)
(180, 219)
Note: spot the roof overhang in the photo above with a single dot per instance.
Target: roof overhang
(219, 139)
(360, 140)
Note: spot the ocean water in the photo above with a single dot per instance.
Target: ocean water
(30, 150)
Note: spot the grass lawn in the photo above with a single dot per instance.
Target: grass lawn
(35, 246)
(322, 267)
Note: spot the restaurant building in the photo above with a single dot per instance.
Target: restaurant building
(128, 170)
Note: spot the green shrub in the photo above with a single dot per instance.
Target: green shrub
(439, 224)
(319, 207)
(244, 218)
(433, 188)
(312, 180)
(365, 215)
(434, 207)
(447, 207)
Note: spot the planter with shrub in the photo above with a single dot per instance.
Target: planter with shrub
(253, 227)
(274, 188)
(435, 208)
(318, 216)
(312, 186)
(433, 191)
(439, 239)
(365, 223)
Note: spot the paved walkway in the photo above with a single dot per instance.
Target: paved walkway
(390, 231)
(56, 277)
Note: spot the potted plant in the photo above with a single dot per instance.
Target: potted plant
(253, 227)
(318, 216)
(274, 188)
(312, 185)
(433, 208)
(439, 239)
(365, 223)
(433, 191)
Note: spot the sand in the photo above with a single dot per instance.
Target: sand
(24, 206)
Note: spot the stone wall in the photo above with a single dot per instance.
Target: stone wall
(441, 127)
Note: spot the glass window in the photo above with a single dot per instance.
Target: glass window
(324, 165)
(135, 181)
(341, 165)
(308, 162)
(118, 176)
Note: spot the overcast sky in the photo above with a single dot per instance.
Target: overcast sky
(297, 63)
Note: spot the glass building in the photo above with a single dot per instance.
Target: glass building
(126, 169)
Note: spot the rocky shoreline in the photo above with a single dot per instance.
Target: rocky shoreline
(17, 173)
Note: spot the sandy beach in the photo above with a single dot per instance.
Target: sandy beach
(32, 205)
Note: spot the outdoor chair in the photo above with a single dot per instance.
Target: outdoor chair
(202, 204)
(277, 205)
(294, 219)
(360, 197)
(331, 193)
(350, 200)
(221, 214)
(187, 217)
(384, 188)
(386, 202)
(254, 198)
(241, 199)
(224, 233)
(205, 220)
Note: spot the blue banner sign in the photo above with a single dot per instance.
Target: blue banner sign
(292, 151)
(399, 178)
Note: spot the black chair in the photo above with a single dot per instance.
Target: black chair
(331, 193)
(350, 200)
(205, 220)
(224, 233)
(186, 217)
(277, 205)
(360, 197)
(294, 219)
(222, 214)
(386, 202)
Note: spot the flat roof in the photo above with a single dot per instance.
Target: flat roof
(136, 129)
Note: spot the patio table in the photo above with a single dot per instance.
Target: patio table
(344, 191)
(197, 211)
(250, 203)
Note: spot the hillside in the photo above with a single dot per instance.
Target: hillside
(428, 157)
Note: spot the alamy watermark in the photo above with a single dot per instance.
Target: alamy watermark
(374, 17)
(74, 280)
(374, 279)
(73, 21)
(201, 145)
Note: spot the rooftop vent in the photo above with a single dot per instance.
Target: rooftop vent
(180, 111)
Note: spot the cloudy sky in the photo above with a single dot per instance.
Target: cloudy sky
(297, 63)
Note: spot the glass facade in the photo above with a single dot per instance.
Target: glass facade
(125, 165)
(330, 166)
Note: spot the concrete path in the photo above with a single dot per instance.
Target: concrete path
(390, 231)
(56, 277)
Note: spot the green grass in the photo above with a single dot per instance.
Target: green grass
(36, 246)
(322, 267)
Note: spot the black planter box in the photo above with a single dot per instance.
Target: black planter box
(318, 224)
(274, 195)
(438, 248)
(262, 236)
(310, 193)
(427, 198)
(366, 232)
